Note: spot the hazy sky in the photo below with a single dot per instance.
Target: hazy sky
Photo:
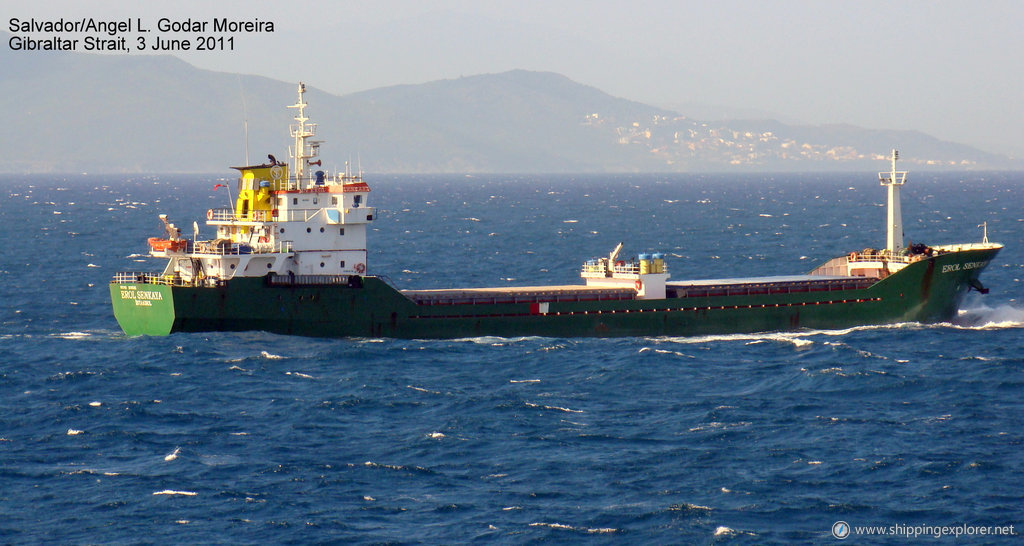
(952, 69)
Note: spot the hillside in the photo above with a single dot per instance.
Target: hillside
(75, 112)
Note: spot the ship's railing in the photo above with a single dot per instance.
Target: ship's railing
(128, 277)
(237, 249)
(625, 268)
(456, 297)
(595, 268)
(309, 280)
(226, 215)
(760, 289)
(229, 215)
(880, 255)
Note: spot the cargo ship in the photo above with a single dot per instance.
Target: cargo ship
(290, 257)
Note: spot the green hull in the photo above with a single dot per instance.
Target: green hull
(929, 290)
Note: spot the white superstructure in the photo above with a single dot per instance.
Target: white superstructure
(292, 221)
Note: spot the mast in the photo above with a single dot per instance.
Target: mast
(303, 150)
(894, 216)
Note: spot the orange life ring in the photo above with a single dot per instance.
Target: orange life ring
(274, 213)
(360, 268)
(639, 285)
(853, 256)
(209, 214)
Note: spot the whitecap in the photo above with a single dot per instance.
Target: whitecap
(724, 531)
(436, 435)
(557, 408)
(494, 340)
(172, 455)
(72, 335)
(74, 432)
(796, 338)
(300, 374)
(551, 525)
(270, 356)
(524, 380)
(175, 492)
(421, 389)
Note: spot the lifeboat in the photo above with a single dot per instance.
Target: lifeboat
(164, 245)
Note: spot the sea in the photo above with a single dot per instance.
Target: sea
(875, 434)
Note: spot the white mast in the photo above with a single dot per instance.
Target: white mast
(894, 217)
(302, 131)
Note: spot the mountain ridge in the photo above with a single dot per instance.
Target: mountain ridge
(154, 113)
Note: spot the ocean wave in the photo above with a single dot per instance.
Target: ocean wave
(175, 492)
(795, 338)
(556, 408)
(989, 318)
(72, 335)
(564, 527)
(493, 340)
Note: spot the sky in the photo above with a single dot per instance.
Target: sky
(952, 69)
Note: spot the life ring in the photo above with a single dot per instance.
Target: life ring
(639, 285)
(274, 213)
(360, 268)
(853, 256)
(209, 214)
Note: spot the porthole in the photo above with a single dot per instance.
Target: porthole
(232, 266)
(309, 230)
(321, 230)
(269, 266)
(282, 230)
(341, 231)
(321, 264)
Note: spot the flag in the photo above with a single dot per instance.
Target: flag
(219, 186)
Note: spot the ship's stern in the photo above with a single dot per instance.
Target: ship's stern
(142, 307)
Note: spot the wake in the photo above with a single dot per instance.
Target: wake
(990, 318)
